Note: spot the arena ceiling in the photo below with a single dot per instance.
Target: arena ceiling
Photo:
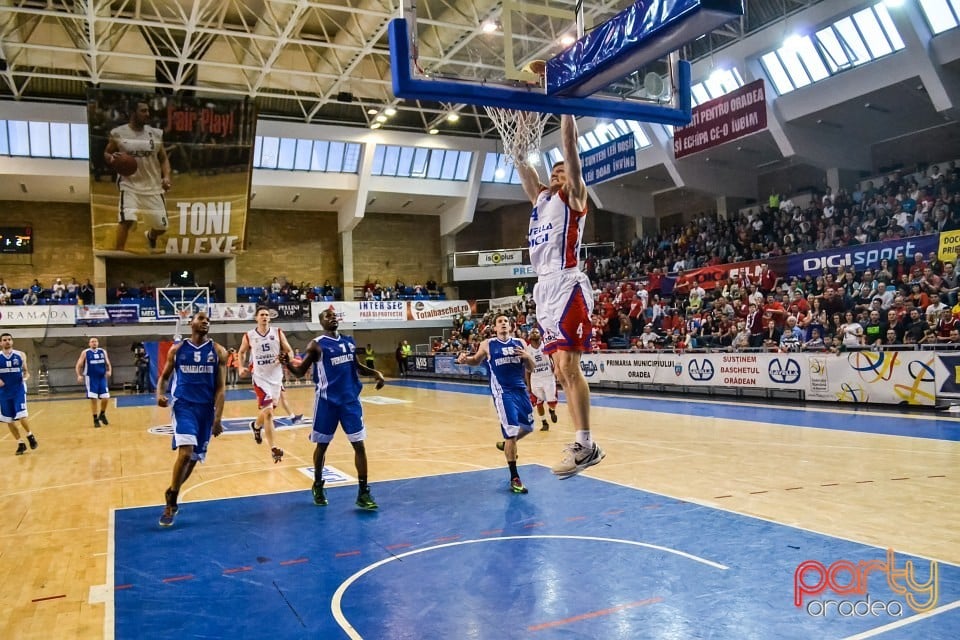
(314, 61)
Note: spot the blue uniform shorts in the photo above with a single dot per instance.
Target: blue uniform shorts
(326, 417)
(514, 410)
(97, 386)
(193, 425)
(13, 407)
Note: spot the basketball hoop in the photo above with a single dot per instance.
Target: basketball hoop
(183, 318)
(520, 131)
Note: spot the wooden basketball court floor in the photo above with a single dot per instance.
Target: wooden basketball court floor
(692, 527)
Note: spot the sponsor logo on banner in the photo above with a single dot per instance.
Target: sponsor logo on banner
(739, 370)
(494, 272)
(331, 476)
(951, 382)
(949, 246)
(33, 315)
(499, 257)
(784, 371)
(113, 313)
(700, 370)
(731, 116)
(235, 426)
(232, 311)
(433, 310)
(610, 160)
(589, 368)
(861, 257)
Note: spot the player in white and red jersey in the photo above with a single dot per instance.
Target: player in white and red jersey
(563, 294)
(541, 381)
(265, 344)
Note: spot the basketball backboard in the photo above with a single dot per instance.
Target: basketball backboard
(605, 58)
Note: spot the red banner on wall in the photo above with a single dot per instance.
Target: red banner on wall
(731, 116)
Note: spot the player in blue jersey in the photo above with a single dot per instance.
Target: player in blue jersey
(336, 364)
(508, 362)
(93, 369)
(196, 369)
(14, 374)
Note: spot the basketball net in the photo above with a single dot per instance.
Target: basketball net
(520, 131)
(183, 319)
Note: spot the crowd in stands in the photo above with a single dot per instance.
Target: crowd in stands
(37, 293)
(283, 291)
(911, 300)
(374, 290)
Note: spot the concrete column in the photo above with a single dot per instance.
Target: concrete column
(346, 251)
(100, 279)
(230, 280)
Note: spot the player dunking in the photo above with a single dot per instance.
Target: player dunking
(198, 369)
(541, 381)
(142, 192)
(335, 364)
(93, 369)
(14, 374)
(563, 294)
(265, 344)
(508, 362)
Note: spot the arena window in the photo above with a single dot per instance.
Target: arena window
(942, 15)
(854, 40)
(299, 154)
(41, 139)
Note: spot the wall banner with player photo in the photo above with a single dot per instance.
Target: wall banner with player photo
(169, 175)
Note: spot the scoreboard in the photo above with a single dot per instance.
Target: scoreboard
(16, 240)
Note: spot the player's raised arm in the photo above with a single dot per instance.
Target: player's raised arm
(576, 188)
(166, 373)
(530, 180)
(482, 354)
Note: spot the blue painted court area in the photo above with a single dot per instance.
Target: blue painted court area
(844, 418)
(150, 399)
(459, 556)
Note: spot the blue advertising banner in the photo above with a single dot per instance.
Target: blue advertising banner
(447, 363)
(108, 313)
(860, 256)
(613, 159)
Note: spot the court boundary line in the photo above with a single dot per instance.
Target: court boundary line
(865, 414)
(896, 624)
(353, 634)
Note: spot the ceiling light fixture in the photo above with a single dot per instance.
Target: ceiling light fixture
(453, 116)
(489, 26)
(434, 131)
(376, 125)
(381, 118)
(390, 111)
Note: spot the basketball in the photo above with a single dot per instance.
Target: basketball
(537, 67)
(124, 164)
